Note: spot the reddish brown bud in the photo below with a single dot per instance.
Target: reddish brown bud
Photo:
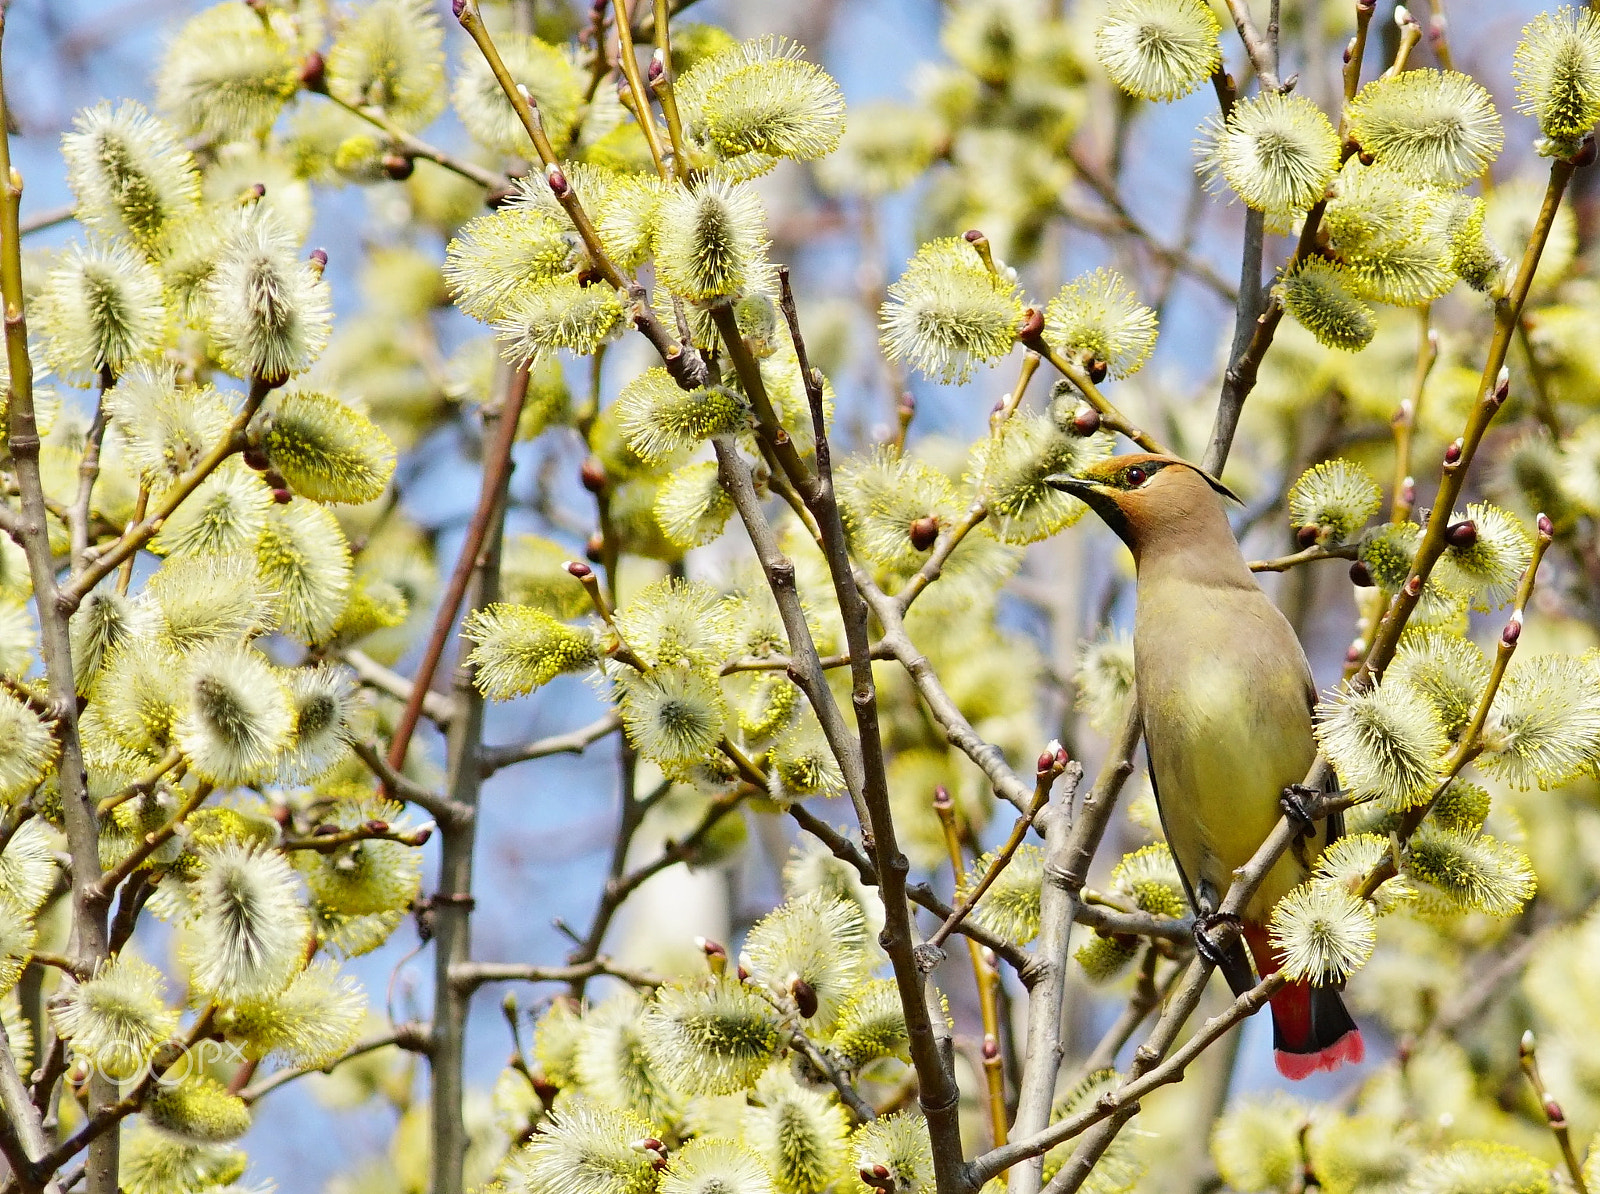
(1413, 586)
(398, 166)
(374, 825)
(1062, 757)
(1546, 527)
(1354, 653)
(924, 532)
(972, 236)
(1046, 763)
(1502, 387)
(257, 459)
(594, 549)
(654, 71)
(991, 1048)
(258, 190)
(805, 998)
(1512, 632)
(457, 7)
(1452, 454)
(314, 73)
(1098, 370)
(907, 406)
(1306, 536)
(1586, 152)
(941, 797)
(421, 836)
(1366, 158)
(1086, 422)
(1032, 325)
(1408, 492)
(593, 475)
(1361, 575)
(559, 187)
(326, 829)
(1462, 535)
(579, 569)
(319, 258)
(282, 496)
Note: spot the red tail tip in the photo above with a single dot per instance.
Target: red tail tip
(1347, 1049)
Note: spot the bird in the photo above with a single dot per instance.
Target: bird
(1225, 695)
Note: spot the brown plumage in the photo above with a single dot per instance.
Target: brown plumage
(1225, 695)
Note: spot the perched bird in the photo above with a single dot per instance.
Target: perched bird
(1226, 696)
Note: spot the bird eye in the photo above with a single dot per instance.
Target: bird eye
(1135, 477)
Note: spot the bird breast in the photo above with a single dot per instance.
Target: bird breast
(1223, 688)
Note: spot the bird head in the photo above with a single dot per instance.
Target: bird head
(1143, 493)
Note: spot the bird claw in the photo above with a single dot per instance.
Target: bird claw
(1203, 926)
(1294, 802)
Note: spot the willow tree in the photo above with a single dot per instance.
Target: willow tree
(221, 629)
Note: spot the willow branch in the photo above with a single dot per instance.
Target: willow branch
(436, 706)
(90, 904)
(571, 743)
(411, 1037)
(497, 468)
(469, 976)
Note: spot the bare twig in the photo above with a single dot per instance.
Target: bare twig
(435, 705)
(1553, 1114)
(1309, 555)
(1047, 975)
(90, 904)
(496, 473)
(1047, 775)
(468, 976)
(411, 1036)
(848, 1094)
(572, 742)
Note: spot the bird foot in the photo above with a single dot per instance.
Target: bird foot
(1202, 928)
(1295, 803)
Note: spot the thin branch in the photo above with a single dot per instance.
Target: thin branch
(48, 218)
(411, 1036)
(848, 1094)
(1458, 457)
(436, 706)
(685, 364)
(469, 976)
(1046, 998)
(1309, 555)
(1261, 51)
(1019, 830)
(452, 902)
(957, 729)
(89, 905)
(437, 804)
(97, 565)
(571, 743)
(411, 146)
(1147, 996)
(496, 473)
(1032, 338)
(1554, 1116)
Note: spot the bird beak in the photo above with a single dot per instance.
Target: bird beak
(1079, 487)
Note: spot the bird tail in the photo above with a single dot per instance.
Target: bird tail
(1311, 1030)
